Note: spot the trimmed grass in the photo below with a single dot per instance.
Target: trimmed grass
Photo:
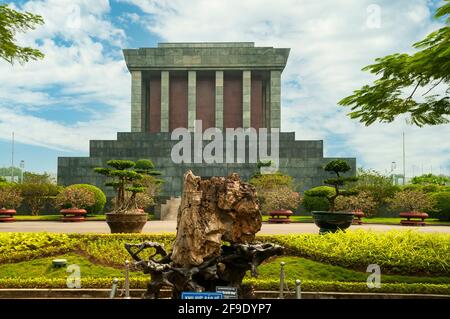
(42, 267)
(411, 262)
(295, 268)
(306, 269)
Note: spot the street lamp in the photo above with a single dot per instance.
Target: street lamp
(393, 167)
(22, 167)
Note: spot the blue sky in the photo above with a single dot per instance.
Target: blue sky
(81, 90)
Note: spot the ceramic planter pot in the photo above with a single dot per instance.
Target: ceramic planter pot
(126, 223)
(73, 215)
(280, 216)
(413, 218)
(7, 215)
(357, 217)
(332, 221)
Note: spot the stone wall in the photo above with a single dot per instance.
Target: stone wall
(301, 159)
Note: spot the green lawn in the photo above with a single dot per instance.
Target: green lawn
(305, 269)
(295, 268)
(42, 267)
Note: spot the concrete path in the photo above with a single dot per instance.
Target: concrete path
(170, 226)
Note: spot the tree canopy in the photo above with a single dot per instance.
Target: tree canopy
(11, 22)
(396, 92)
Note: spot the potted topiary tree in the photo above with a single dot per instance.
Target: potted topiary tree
(72, 202)
(333, 220)
(125, 177)
(10, 199)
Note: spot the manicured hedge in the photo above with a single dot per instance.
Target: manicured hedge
(258, 284)
(397, 252)
(16, 247)
(110, 249)
(315, 199)
(442, 205)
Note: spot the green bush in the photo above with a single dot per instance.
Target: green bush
(100, 198)
(442, 205)
(321, 191)
(96, 246)
(141, 282)
(36, 195)
(431, 179)
(340, 286)
(397, 252)
(315, 199)
(429, 188)
(16, 247)
(315, 203)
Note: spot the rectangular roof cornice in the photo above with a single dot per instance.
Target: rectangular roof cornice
(206, 55)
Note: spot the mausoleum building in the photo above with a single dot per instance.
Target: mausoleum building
(225, 85)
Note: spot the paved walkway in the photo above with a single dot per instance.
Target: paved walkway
(170, 226)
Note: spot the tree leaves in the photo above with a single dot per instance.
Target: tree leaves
(12, 22)
(400, 78)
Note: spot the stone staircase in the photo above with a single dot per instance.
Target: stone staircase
(168, 209)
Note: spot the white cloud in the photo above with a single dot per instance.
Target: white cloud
(78, 72)
(331, 41)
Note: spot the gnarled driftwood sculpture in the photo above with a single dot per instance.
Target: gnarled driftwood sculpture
(211, 211)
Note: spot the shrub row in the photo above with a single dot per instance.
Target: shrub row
(399, 252)
(114, 244)
(15, 247)
(258, 284)
(37, 197)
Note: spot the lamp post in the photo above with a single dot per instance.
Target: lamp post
(393, 167)
(22, 167)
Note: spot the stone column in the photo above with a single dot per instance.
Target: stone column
(246, 96)
(219, 99)
(137, 112)
(164, 101)
(192, 99)
(275, 99)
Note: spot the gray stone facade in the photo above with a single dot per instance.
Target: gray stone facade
(301, 159)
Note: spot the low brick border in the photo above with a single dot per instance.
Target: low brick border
(165, 293)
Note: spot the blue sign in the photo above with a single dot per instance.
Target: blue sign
(201, 295)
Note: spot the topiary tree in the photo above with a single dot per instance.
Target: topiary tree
(10, 197)
(316, 198)
(411, 201)
(275, 191)
(125, 176)
(280, 198)
(338, 167)
(36, 195)
(363, 202)
(99, 197)
(76, 198)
